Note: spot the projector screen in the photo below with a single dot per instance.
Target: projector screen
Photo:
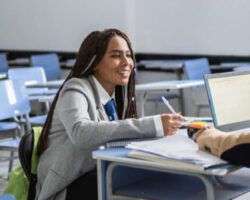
(162, 26)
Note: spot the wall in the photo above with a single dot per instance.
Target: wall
(163, 26)
(58, 25)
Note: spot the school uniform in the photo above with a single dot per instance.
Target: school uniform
(79, 126)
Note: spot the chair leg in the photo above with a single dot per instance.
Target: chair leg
(11, 160)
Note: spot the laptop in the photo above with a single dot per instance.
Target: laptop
(229, 99)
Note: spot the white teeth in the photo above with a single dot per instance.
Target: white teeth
(124, 72)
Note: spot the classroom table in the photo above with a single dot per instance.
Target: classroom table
(142, 90)
(120, 177)
(3, 75)
(49, 84)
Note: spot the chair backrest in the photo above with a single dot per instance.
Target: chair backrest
(7, 197)
(3, 63)
(50, 63)
(28, 158)
(8, 100)
(26, 75)
(195, 69)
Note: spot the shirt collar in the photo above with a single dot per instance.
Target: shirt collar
(104, 96)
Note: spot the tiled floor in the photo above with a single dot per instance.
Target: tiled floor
(4, 171)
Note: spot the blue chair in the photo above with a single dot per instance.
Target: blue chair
(7, 197)
(195, 70)
(25, 75)
(3, 63)
(50, 63)
(8, 105)
(23, 108)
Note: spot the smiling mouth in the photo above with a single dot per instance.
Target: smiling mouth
(124, 73)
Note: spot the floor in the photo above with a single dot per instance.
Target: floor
(4, 171)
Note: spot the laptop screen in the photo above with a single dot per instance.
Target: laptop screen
(229, 98)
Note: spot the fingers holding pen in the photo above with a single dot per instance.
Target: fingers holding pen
(171, 123)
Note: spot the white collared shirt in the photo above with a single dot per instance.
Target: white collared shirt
(104, 95)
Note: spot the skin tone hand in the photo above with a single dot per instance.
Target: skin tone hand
(171, 123)
(208, 137)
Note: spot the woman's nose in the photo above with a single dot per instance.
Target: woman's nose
(125, 60)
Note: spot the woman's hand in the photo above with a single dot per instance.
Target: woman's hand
(171, 123)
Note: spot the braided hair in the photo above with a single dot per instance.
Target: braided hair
(88, 57)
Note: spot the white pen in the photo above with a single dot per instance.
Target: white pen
(165, 101)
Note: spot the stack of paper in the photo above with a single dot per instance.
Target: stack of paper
(178, 151)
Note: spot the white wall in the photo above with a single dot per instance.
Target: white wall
(155, 26)
(193, 26)
(56, 24)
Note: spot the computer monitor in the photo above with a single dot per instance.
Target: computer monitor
(229, 98)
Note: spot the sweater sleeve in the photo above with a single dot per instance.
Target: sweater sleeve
(218, 142)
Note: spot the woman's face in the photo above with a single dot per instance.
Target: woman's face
(116, 65)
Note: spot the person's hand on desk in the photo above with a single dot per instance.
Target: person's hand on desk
(232, 147)
(171, 123)
(207, 139)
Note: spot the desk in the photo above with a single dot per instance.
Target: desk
(19, 62)
(175, 66)
(143, 89)
(49, 84)
(120, 177)
(3, 75)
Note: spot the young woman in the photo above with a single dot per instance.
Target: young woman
(77, 122)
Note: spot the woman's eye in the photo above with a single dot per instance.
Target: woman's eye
(115, 55)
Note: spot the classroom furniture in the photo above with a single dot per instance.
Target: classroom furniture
(8, 107)
(173, 66)
(142, 90)
(195, 70)
(7, 197)
(3, 63)
(31, 75)
(19, 62)
(242, 68)
(50, 63)
(23, 108)
(3, 76)
(120, 177)
(48, 84)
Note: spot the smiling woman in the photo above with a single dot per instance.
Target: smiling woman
(116, 66)
(95, 104)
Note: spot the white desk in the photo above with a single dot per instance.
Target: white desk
(175, 66)
(3, 75)
(46, 99)
(143, 89)
(120, 177)
(49, 84)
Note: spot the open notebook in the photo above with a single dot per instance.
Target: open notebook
(229, 98)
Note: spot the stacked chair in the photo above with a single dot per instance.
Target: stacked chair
(15, 109)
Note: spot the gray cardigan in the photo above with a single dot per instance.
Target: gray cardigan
(75, 133)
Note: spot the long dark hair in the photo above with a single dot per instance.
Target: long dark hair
(90, 54)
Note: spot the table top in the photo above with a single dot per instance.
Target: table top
(3, 75)
(168, 85)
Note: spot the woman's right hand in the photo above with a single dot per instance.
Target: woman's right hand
(171, 123)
